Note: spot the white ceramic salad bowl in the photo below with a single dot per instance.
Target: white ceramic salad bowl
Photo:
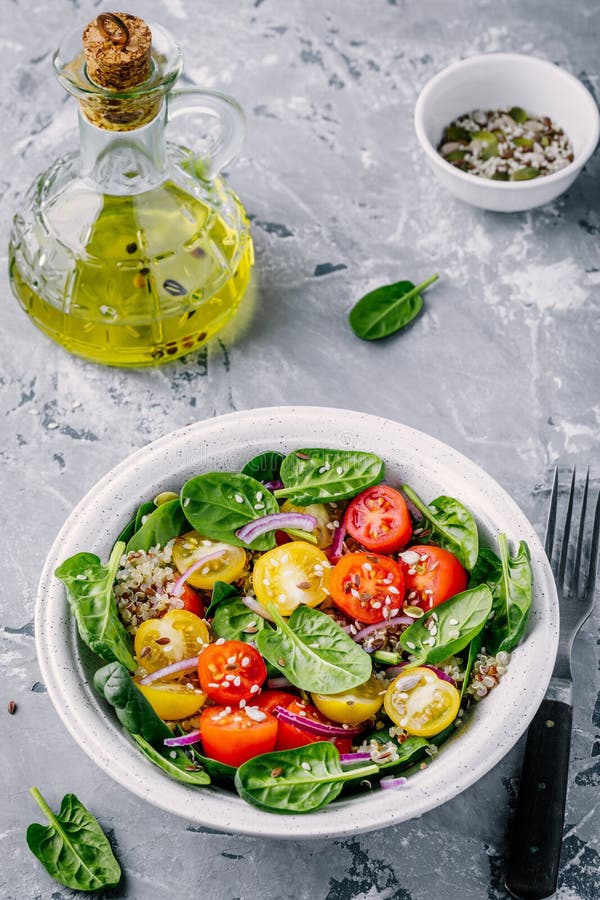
(226, 443)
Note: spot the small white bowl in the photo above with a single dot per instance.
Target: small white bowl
(497, 81)
(226, 443)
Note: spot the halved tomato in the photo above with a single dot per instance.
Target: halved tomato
(290, 575)
(268, 700)
(362, 585)
(191, 601)
(231, 671)
(421, 703)
(353, 706)
(176, 636)
(233, 736)
(191, 547)
(432, 576)
(379, 519)
(172, 701)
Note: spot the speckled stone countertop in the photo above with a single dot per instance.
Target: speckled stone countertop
(503, 366)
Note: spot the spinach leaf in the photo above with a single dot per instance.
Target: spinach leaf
(89, 587)
(313, 652)
(387, 309)
(220, 592)
(510, 580)
(163, 523)
(174, 761)
(325, 476)
(451, 524)
(134, 712)
(147, 729)
(296, 781)
(73, 848)
(235, 622)
(459, 620)
(218, 771)
(265, 466)
(218, 503)
(474, 648)
(144, 510)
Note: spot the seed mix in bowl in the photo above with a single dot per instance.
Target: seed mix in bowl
(506, 145)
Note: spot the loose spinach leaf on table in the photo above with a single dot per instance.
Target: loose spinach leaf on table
(163, 523)
(89, 587)
(459, 620)
(387, 309)
(220, 592)
(451, 525)
(510, 580)
(313, 652)
(265, 466)
(147, 729)
(73, 848)
(217, 504)
(296, 781)
(235, 622)
(326, 476)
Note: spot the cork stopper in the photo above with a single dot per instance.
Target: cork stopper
(117, 49)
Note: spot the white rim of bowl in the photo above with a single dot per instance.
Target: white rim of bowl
(488, 184)
(333, 821)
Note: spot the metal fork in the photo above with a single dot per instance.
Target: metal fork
(536, 830)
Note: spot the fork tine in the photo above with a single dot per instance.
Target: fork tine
(576, 576)
(560, 577)
(551, 523)
(590, 587)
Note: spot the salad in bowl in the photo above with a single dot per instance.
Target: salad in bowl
(310, 627)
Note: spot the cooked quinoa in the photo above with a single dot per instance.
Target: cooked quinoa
(142, 586)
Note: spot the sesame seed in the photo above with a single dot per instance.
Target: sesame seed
(237, 681)
(339, 470)
(306, 765)
(393, 590)
(231, 660)
(410, 645)
(255, 689)
(453, 621)
(259, 495)
(245, 661)
(259, 506)
(254, 713)
(239, 498)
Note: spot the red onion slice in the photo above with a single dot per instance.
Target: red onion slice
(335, 551)
(257, 608)
(390, 782)
(314, 727)
(274, 485)
(354, 757)
(275, 522)
(178, 586)
(183, 740)
(378, 626)
(184, 665)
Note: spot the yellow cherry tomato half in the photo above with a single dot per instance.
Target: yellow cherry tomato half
(191, 547)
(178, 635)
(320, 511)
(421, 703)
(290, 575)
(172, 701)
(353, 706)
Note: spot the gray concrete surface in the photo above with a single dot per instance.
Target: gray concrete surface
(503, 365)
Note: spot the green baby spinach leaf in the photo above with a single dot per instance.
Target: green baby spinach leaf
(313, 652)
(296, 781)
(89, 587)
(221, 591)
(143, 510)
(459, 620)
(387, 309)
(73, 848)
(264, 467)
(326, 476)
(451, 525)
(235, 622)
(510, 580)
(174, 761)
(218, 771)
(217, 504)
(163, 523)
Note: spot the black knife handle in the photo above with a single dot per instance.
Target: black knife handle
(536, 830)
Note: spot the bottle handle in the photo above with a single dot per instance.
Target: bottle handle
(227, 143)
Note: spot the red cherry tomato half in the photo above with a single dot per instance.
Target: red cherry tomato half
(291, 736)
(436, 577)
(234, 737)
(231, 671)
(192, 602)
(362, 585)
(268, 700)
(379, 519)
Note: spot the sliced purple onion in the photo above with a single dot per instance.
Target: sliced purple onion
(334, 552)
(178, 586)
(275, 522)
(183, 740)
(274, 485)
(257, 608)
(354, 757)
(390, 782)
(184, 665)
(277, 683)
(314, 727)
(378, 626)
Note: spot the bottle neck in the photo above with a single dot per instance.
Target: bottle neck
(124, 162)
